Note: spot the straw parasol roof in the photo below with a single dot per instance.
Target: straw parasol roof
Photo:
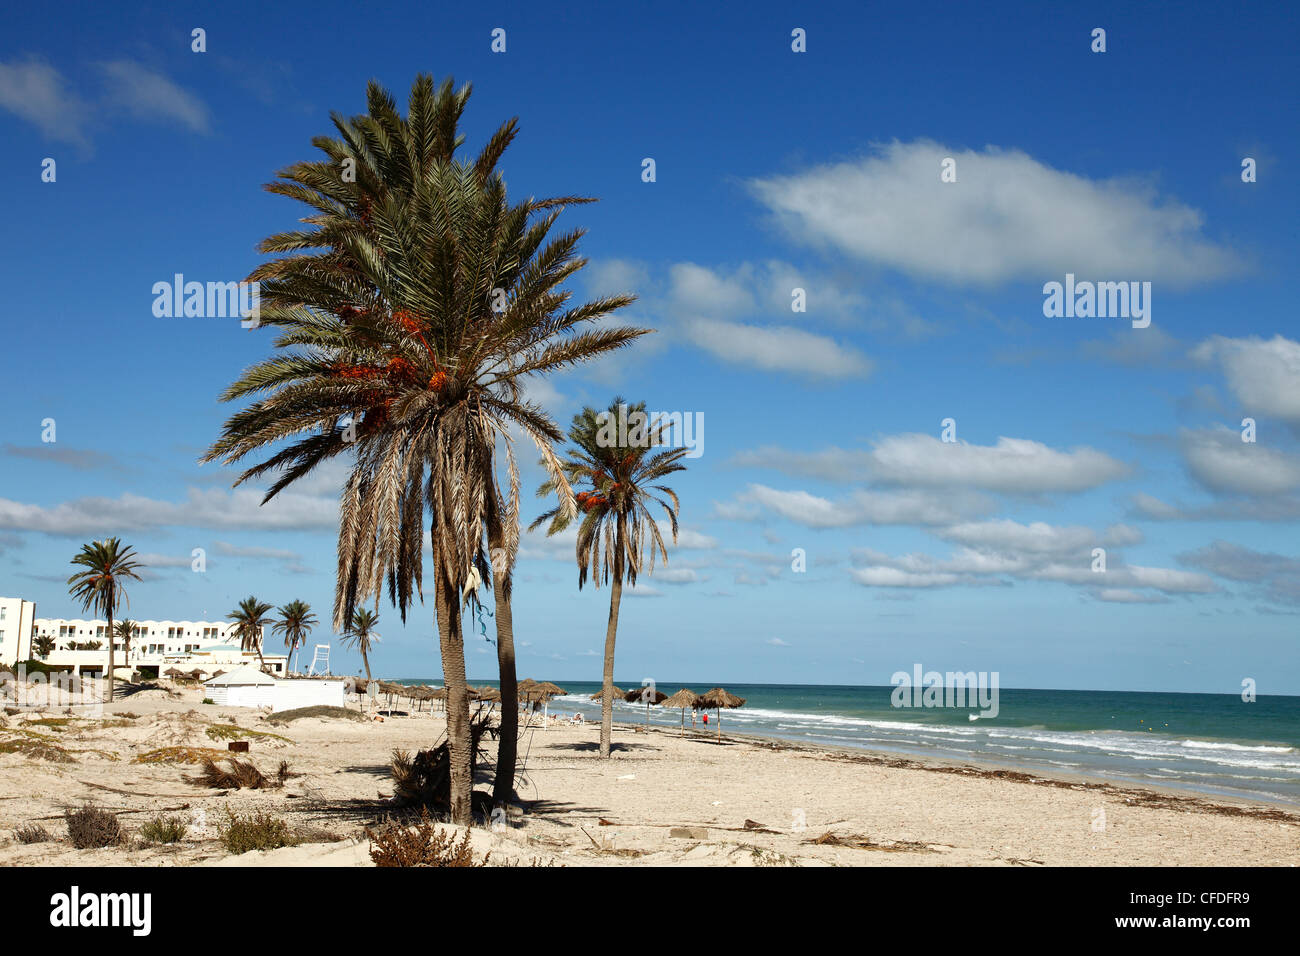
(717, 699)
(489, 694)
(618, 692)
(645, 695)
(174, 672)
(683, 698)
(549, 688)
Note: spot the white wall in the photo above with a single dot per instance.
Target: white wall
(290, 694)
(253, 695)
(16, 619)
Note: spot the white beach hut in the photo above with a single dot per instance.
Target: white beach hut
(242, 687)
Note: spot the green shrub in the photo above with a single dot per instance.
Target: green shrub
(208, 700)
(164, 829)
(257, 830)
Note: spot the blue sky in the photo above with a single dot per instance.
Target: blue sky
(775, 170)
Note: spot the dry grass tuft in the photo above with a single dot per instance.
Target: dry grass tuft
(420, 845)
(32, 834)
(179, 755)
(240, 776)
(338, 713)
(92, 828)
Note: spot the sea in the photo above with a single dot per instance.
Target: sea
(1205, 743)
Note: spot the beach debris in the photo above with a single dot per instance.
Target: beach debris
(754, 826)
(606, 845)
(238, 746)
(240, 776)
(628, 776)
(689, 833)
(861, 842)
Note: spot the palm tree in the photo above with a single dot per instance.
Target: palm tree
(361, 634)
(43, 645)
(124, 631)
(250, 618)
(296, 622)
(412, 337)
(619, 468)
(108, 564)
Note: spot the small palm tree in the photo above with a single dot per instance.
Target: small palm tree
(108, 564)
(124, 630)
(250, 618)
(296, 622)
(361, 634)
(619, 468)
(43, 645)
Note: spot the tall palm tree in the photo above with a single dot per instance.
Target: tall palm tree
(43, 645)
(361, 634)
(250, 620)
(409, 341)
(125, 629)
(108, 565)
(296, 622)
(619, 469)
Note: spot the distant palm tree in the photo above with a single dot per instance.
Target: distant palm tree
(619, 467)
(296, 622)
(108, 565)
(43, 645)
(250, 619)
(428, 303)
(124, 631)
(361, 634)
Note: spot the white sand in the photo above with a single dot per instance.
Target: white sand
(655, 781)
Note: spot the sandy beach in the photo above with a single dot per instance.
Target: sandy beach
(661, 800)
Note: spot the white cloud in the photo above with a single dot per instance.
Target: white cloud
(778, 348)
(38, 93)
(149, 95)
(1263, 374)
(1007, 216)
(1222, 462)
(202, 508)
(861, 507)
(1013, 465)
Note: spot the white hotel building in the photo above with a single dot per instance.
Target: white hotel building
(156, 646)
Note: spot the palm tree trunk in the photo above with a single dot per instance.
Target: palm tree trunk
(611, 631)
(110, 647)
(452, 643)
(508, 743)
(365, 659)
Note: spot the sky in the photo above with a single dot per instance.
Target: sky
(941, 456)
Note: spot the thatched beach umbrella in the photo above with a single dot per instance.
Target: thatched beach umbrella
(174, 672)
(717, 699)
(646, 695)
(683, 698)
(618, 692)
(553, 689)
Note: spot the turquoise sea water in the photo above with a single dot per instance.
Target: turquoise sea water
(1213, 743)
